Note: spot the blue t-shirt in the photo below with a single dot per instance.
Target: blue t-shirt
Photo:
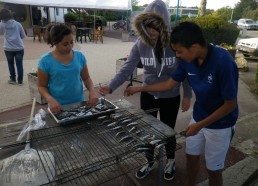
(64, 83)
(213, 82)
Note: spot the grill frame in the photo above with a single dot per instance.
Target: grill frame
(90, 138)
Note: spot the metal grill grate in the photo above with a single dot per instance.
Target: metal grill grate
(91, 153)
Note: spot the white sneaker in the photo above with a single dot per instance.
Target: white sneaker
(169, 171)
(145, 170)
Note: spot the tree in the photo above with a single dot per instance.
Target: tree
(242, 7)
(224, 13)
(135, 6)
(203, 7)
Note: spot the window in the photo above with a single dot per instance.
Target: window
(57, 11)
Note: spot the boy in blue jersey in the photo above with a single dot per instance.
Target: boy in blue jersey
(213, 75)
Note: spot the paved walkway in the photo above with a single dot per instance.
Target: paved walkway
(15, 104)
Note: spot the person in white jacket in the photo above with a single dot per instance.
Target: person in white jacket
(13, 45)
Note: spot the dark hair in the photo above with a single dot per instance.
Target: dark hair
(187, 34)
(56, 33)
(5, 14)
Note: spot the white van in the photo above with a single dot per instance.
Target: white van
(249, 24)
(249, 47)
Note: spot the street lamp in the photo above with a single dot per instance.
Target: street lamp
(231, 15)
(177, 11)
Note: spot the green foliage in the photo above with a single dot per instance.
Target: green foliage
(227, 46)
(34, 74)
(179, 18)
(242, 7)
(88, 19)
(251, 14)
(216, 30)
(135, 6)
(224, 13)
(70, 17)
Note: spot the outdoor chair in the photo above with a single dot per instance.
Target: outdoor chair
(97, 35)
(37, 32)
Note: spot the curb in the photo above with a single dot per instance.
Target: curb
(242, 173)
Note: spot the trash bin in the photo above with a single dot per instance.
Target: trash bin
(120, 63)
(33, 86)
(125, 36)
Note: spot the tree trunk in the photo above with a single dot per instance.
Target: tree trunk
(203, 7)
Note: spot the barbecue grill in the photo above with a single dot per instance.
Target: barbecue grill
(99, 150)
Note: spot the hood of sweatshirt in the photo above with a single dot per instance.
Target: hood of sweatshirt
(155, 14)
(9, 25)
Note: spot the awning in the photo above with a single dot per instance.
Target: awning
(89, 4)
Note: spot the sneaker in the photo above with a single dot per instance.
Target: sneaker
(169, 171)
(145, 170)
(11, 81)
(19, 82)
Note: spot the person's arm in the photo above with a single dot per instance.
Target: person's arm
(44, 92)
(223, 110)
(126, 70)
(157, 87)
(187, 95)
(85, 76)
(21, 31)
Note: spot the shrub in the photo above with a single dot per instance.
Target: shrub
(70, 17)
(216, 30)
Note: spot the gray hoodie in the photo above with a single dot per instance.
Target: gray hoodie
(13, 34)
(143, 49)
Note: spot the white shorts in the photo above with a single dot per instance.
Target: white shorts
(214, 143)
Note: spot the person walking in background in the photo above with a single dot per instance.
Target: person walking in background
(98, 23)
(213, 75)
(158, 60)
(13, 45)
(62, 71)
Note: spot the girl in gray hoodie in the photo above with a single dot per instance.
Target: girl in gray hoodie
(13, 45)
(158, 61)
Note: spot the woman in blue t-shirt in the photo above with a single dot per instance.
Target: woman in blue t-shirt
(62, 71)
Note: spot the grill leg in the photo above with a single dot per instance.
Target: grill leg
(161, 167)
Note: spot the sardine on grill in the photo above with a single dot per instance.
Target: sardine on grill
(125, 138)
(112, 124)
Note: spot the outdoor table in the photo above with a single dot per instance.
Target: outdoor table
(43, 29)
(83, 32)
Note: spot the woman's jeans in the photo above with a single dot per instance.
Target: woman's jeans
(18, 56)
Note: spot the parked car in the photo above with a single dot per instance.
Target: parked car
(249, 24)
(249, 47)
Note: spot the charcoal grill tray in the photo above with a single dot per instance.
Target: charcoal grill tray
(110, 105)
(89, 153)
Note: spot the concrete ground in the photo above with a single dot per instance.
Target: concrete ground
(15, 105)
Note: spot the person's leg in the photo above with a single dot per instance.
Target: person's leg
(192, 166)
(194, 148)
(147, 102)
(10, 60)
(19, 65)
(215, 178)
(216, 148)
(168, 114)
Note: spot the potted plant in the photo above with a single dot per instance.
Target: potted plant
(230, 48)
(33, 86)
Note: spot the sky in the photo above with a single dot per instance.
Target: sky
(211, 4)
